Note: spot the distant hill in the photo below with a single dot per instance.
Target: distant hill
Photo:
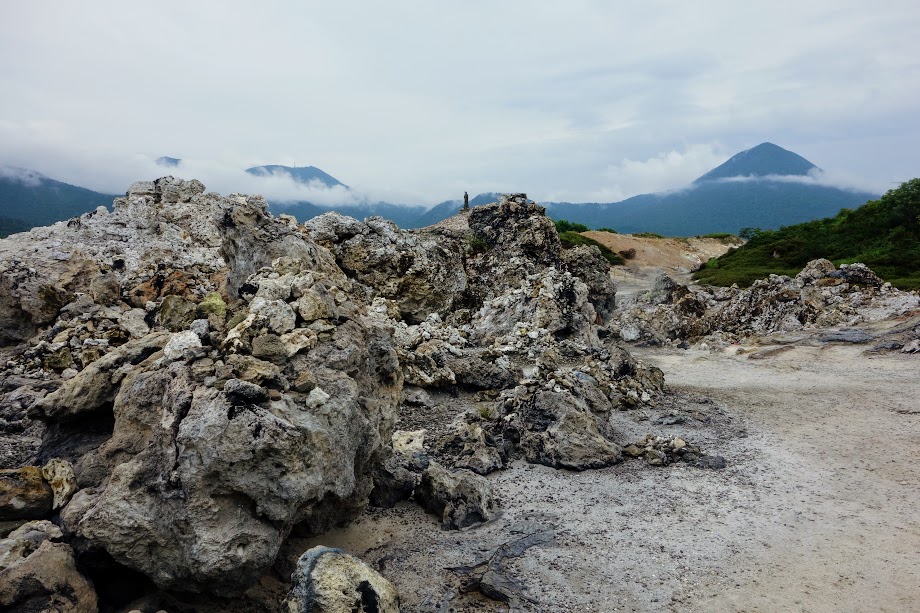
(404, 215)
(765, 187)
(764, 160)
(301, 174)
(168, 162)
(29, 199)
(884, 234)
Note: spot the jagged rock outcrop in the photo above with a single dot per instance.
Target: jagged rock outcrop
(213, 438)
(330, 581)
(550, 305)
(519, 240)
(38, 572)
(423, 273)
(208, 378)
(819, 296)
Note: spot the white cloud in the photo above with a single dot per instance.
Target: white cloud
(664, 171)
(22, 175)
(420, 101)
(814, 177)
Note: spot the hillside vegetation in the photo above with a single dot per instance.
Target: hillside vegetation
(32, 199)
(570, 236)
(884, 234)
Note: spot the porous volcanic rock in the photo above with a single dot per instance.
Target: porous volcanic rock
(218, 378)
(38, 572)
(331, 581)
(819, 296)
(421, 272)
(24, 494)
(196, 456)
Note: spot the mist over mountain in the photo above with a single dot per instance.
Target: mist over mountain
(168, 162)
(764, 187)
(29, 198)
(301, 174)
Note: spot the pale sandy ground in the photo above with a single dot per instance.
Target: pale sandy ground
(817, 511)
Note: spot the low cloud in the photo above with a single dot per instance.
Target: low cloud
(22, 175)
(662, 172)
(814, 177)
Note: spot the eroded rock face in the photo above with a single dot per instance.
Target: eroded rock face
(422, 273)
(587, 263)
(211, 438)
(38, 573)
(331, 581)
(214, 457)
(819, 296)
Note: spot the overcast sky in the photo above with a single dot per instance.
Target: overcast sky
(417, 101)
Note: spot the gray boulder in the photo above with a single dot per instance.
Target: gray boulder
(38, 573)
(331, 581)
(460, 498)
(198, 486)
(559, 430)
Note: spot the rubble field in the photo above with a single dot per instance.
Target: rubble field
(207, 408)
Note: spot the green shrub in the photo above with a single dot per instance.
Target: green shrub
(569, 226)
(648, 235)
(478, 244)
(610, 230)
(884, 234)
(574, 239)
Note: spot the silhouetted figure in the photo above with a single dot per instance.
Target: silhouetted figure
(466, 201)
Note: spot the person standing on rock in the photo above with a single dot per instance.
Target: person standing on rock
(466, 201)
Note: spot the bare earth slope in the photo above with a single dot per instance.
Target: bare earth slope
(675, 256)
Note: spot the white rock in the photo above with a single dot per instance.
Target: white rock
(278, 314)
(133, 322)
(179, 343)
(317, 397)
(630, 333)
(406, 441)
(297, 340)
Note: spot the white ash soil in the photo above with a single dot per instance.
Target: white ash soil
(817, 511)
(676, 257)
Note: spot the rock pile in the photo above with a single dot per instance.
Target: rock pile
(819, 296)
(223, 385)
(661, 451)
(218, 378)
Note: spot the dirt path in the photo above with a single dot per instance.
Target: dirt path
(676, 257)
(817, 511)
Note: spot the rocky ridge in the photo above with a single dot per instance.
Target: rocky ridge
(219, 379)
(820, 297)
